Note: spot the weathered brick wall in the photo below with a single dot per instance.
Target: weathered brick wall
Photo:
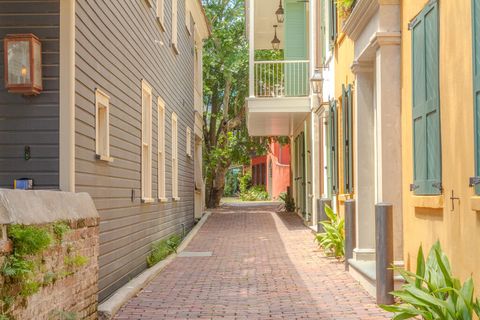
(67, 270)
(73, 289)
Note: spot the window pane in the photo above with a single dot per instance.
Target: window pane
(18, 62)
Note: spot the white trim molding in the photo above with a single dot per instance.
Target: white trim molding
(67, 96)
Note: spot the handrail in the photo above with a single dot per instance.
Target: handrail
(281, 78)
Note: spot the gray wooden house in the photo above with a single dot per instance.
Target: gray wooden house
(118, 116)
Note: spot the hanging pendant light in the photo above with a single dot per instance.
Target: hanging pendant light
(275, 41)
(280, 13)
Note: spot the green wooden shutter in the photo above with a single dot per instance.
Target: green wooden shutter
(296, 44)
(476, 83)
(426, 102)
(334, 147)
(347, 139)
(333, 21)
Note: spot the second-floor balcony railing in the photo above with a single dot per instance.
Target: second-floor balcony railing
(288, 78)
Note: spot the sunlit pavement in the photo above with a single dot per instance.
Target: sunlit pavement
(253, 263)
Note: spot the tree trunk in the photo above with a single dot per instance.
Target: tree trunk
(215, 189)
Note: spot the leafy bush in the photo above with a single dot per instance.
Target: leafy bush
(75, 261)
(162, 249)
(433, 293)
(333, 239)
(256, 193)
(288, 200)
(232, 183)
(245, 182)
(28, 240)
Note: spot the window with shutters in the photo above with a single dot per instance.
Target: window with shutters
(476, 84)
(161, 13)
(146, 142)
(347, 139)
(426, 102)
(175, 25)
(175, 157)
(102, 126)
(161, 150)
(333, 137)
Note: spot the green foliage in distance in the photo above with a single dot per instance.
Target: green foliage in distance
(225, 75)
(255, 193)
(345, 7)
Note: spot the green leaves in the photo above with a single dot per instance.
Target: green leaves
(333, 239)
(433, 293)
(29, 240)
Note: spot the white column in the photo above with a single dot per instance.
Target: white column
(251, 41)
(364, 161)
(389, 152)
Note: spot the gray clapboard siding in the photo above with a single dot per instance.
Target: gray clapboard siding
(31, 121)
(118, 43)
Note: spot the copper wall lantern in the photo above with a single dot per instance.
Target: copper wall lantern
(23, 64)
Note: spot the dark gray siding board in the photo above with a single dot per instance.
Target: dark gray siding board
(32, 121)
(118, 43)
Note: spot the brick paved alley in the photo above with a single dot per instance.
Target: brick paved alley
(264, 265)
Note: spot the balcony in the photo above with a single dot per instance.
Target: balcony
(279, 96)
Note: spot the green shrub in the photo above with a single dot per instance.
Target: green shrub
(245, 182)
(332, 241)
(288, 200)
(28, 240)
(256, 193)
(63, 315)
(162, 249)
(433, 293)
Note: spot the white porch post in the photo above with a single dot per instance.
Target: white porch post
(389, 156)
(364, 161)
(251, 41)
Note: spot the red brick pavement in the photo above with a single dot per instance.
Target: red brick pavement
(264, 266)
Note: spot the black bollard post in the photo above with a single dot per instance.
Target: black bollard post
(321, 215)
(384, 252)
(350, 231)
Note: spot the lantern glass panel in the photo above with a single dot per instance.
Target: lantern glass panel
(19, 62)
(37, 67)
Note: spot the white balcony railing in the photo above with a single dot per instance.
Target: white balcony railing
(281, 78)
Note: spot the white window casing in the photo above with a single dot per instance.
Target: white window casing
(175, 25)
(102, 126)
(188, 147)
(188, 20)
(161, 150)
(175, 157)
(146, 166)
(160, 11)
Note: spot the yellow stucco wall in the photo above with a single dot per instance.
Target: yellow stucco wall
(458, 231)
(344, 54)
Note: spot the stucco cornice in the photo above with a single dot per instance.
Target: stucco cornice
(361, 67)
(380, 39)
(361, 15)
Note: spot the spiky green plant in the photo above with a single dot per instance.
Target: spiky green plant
(332, 241)
(432, 292)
